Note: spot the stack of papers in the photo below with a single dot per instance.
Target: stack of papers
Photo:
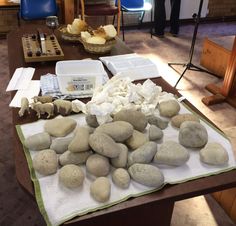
(131, 65)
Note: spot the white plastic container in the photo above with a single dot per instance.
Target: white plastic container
(80, 77)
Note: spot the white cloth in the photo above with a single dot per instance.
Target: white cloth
(62, 204)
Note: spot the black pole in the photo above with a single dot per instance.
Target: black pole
(189, 65)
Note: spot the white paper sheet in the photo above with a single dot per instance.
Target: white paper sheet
(31, 91)
(21, 78)
(131, 65)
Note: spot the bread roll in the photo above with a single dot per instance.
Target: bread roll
(96, 40)
(110, 31)
(85, 35)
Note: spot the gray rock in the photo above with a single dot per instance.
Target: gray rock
(60, 145)
(214, 154)
(143, 154)
(100, 189)
(69, 157)
(171, 153)
(38, 141)
(121, 160)
(121, 178)
(146, 174)
(155, 133)
(92, 120)
(192, 134)
(136, 140)
(119, 130)
(60, 127)
(98, 165)
(160, 123)
(80, 142)
(45, 162)
(71, 176)
(169, 108)
(104, 145)
(135, 118)
(179, 119)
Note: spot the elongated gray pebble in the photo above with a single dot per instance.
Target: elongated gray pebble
(38, 141)
(60, 145)
(155, 133)
(160, 123)
(121, 160)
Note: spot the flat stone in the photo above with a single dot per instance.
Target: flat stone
(214, 154)
(60, 127)
(71, 176)
(192, 134)
(171, 153)
(146, 174)
(136, 140)
(121, 160)
(92, 120)
(179, 119)
(38, 141)
(157, 121)
(155, 133)
(60, 145)
(169, 108)
(100, 189)
(121, 178)
(118, 130)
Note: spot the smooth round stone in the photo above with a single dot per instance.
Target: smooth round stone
(60, 145)
(100, 189)
(136, 140)
(71, 176)
(104, 145)
(135, 118)
(146, 174)
(160, 123)
(179, 119)
(143, 154)
(119, 130)
(92, 120)
(98, 165)
(214, 154)
(80, 141)
(45, 162)
(155, 133)
(169, 108)
(38, 141)
(121, 160)
(171, 153)
(69, 157)
(192, 134)
(121, 178)
(60, 127)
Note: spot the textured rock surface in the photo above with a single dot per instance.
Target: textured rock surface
(69, 157)
(121, 178)
(80, 142)
(192, 134)
(135, 118)
(121, 160)
(71, 176)
(136, 140)
(160, 123)
(155, 133)
(179, 119)
(119, 130)
(92, 120)
(100, 189)
(38, 141)
(143, 154)
(146, 174)
(172, 153)
(60, 145)
(104, 145)
(45, 162)
(214, 154)
(98, 165)
(60, 127)
(169, 108)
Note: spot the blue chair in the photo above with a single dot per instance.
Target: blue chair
(37, 9)
(135, 6)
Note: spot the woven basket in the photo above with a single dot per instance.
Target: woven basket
(99, 48)
(65, 35)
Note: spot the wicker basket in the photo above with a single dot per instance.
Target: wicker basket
(99, 48)
(65, 35)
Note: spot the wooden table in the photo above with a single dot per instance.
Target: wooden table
(5, 4)
(155, 208)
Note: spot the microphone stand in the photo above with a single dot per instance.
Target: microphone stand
(189, 65)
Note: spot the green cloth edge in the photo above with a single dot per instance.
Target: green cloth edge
(38, 191)
(33, 177)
